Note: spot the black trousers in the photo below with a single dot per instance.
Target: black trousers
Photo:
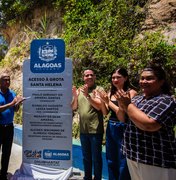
(6, 139)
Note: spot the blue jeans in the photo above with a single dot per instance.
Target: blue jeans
(117, 164)
(92, 155)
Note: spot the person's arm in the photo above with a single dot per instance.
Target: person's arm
(74, 103)
(105, 97)
(102, 95)
(94, 101)
(9, 105)
(138, 117)
(141, 120)
(19, 101)
(121, 115)
(104, 108)
(75, 93)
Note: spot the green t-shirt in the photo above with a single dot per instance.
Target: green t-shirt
(91, 120)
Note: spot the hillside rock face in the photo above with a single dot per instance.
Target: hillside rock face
(159, 14)
(43, 21)
(162, 14)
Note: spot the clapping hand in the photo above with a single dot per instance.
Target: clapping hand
(84, 90)
(75, 91)
(123, 99)
(103, 96)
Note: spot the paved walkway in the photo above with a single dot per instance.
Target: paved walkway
(15, 159)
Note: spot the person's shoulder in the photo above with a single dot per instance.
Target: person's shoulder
(137, 98)
(132, 90)
(165, 100)
(99, 88)
(132, 93)
(12, 92)
(166, 97)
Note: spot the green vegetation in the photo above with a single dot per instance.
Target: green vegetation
(3, 50)
(99, 34)
(3, 47)
(105, 35)
(19, 10)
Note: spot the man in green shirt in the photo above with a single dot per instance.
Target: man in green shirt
(91, 124)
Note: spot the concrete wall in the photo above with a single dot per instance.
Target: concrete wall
(76, 151)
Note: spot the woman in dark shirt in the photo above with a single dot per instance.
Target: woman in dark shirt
(117, 166)
(149, 139)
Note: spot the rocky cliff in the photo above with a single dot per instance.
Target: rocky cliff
(20, 35)
(161, 14)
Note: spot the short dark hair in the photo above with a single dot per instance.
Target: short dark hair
(87, 70)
